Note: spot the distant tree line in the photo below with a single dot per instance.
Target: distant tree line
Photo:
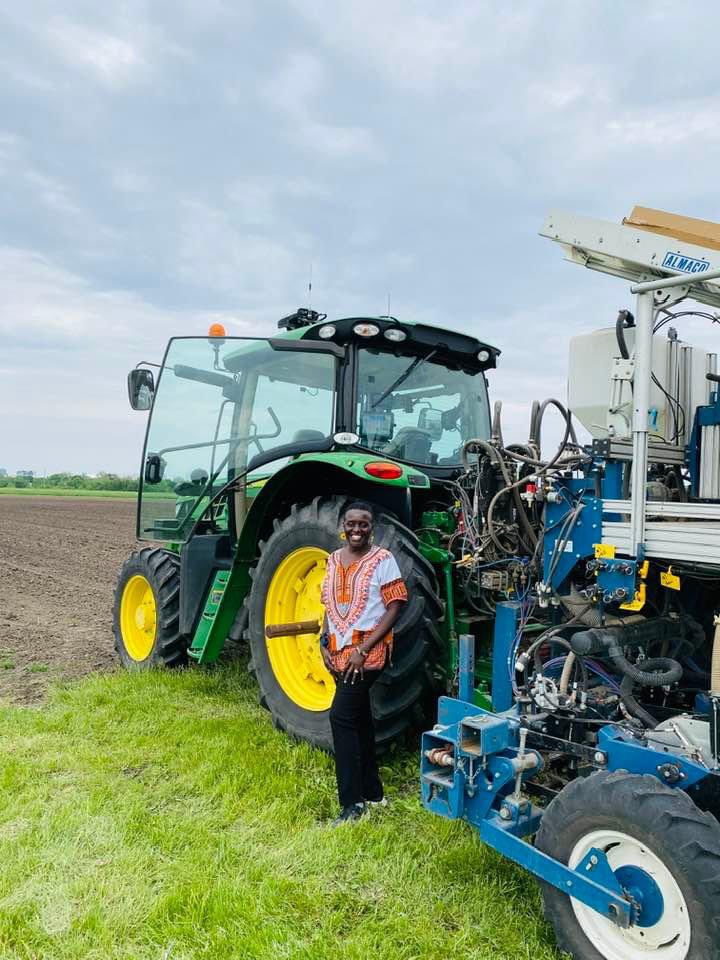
(78, 481)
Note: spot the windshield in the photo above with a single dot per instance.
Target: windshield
(218, 404)
(419, 411)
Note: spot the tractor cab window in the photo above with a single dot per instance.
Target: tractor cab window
(218, 404)
(418, 411)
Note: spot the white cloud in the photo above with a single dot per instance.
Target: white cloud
(261, 201)
(214, 251)
(415, 47)
(131, 180)
(9, 145)
(67, 348)
(44, 305)
(688, 122)
(113, 59)
(294, 91)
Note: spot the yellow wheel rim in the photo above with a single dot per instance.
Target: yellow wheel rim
(138, 618)
(294, 594)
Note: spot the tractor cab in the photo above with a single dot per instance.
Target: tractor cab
(230, 409)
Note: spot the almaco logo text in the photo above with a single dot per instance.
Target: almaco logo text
(676, 262)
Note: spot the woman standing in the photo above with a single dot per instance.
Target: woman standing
(362, 593)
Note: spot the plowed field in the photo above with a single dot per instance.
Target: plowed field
(59, 559)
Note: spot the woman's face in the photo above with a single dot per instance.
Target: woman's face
(357, 526)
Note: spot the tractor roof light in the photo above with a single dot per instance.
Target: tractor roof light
(366, 329)
(483, 356)
(395, 335)
(383, 470)
(326, 331)
(216, 330)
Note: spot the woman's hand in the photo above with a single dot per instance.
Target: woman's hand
(354, 666)
(328, 661)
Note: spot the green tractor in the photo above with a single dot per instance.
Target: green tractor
(253, 447)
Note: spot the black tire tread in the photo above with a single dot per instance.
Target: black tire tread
(162, 571)
(659, 812)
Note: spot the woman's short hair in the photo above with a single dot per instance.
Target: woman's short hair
(359, 505)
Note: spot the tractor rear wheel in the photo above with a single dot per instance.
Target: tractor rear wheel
(294, 684)
(146, 612)
(664, 851)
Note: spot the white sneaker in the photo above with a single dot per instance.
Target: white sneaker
(377, 803)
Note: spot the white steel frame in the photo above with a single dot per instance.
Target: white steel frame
(637, 255)
(649, 298)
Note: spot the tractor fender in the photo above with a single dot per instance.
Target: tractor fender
(318, 474)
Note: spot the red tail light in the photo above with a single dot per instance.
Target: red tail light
(383, 470)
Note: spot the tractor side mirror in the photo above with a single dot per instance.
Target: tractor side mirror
(141, 388)
(154, 468)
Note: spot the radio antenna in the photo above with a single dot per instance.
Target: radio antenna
(310, 286)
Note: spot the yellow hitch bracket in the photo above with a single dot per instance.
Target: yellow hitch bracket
(604, 551)
(669, 579)
(639, 602)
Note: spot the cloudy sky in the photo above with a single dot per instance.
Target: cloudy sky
(167, 164)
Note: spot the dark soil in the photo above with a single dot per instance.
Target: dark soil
(59, 559)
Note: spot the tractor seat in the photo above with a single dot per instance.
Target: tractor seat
(303, 436)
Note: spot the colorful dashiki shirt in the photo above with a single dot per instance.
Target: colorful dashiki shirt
(355, 598)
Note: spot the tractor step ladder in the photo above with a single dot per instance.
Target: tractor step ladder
(206, 637)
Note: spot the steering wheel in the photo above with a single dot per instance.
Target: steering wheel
(257, 437)
(196, 486)
(403, 435)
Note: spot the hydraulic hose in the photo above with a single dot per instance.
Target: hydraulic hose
(624, 320)
(575, 659)
(569, 439)
(566, 673)
(537, 419)
(496, 451)
(550, 635)
(534, 652)
(510, 487)
(633, 707)
(533, 422)
(654, 672)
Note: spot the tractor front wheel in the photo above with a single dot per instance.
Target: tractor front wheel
(294, 684)
(663, 850)
(146, 612)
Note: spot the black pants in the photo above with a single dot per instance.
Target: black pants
(353, 733)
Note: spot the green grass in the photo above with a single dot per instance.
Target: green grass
(161, 817)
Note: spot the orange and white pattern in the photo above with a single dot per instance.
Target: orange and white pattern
(355, 598)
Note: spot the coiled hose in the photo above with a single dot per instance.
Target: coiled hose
(654, 672)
